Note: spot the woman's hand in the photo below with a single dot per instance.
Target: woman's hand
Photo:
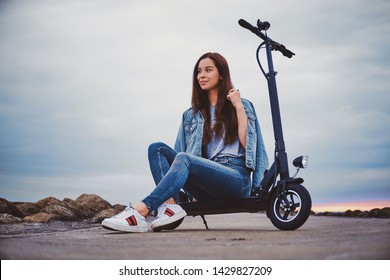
(235, 97)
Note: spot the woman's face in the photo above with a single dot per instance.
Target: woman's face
(208, 75)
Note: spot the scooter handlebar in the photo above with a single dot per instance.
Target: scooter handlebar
(243, 23)
(275, 45)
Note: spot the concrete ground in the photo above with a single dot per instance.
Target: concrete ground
(231, 236)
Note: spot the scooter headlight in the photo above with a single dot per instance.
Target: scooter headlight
(301, 162)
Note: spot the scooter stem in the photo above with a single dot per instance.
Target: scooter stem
(280, 150)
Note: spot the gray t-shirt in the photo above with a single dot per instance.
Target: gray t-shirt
(217, 147)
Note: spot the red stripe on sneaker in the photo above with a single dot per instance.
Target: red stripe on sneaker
(169, 212)
(132, 221)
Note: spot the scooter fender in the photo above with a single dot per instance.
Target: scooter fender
(294, 181)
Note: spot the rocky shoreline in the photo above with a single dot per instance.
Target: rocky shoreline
(89, 208)
(92, 209)
(373, 213)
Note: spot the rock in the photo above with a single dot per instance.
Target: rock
(354, 213)
(60, 212)
(47, 201)
(373, 213)
(93, 202)
(377, 213)
(108, 213)
(39, 218)
(9, 208)
(86, 206)
(331, 214)
(363, 214)
(81, 211)
(6, 218)
(327, 213)
(119, 207)
(386, 212)
(348, 213)
(27, 208)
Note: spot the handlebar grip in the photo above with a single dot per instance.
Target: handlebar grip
(243, 23)
(283, 50)
(275, 45)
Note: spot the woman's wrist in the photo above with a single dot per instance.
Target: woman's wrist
(239, 106)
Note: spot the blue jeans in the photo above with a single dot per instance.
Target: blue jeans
(204, 179)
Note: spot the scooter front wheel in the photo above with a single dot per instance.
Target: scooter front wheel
(291, 209)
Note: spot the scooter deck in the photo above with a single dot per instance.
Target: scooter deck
(224, 206)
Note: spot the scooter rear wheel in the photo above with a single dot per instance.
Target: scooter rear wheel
(293, 211)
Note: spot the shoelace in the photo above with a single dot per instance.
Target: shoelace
(125, 213)
(159, 210)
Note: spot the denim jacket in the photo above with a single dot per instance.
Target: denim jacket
(189, 140)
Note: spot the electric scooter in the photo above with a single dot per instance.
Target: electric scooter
(287, 203)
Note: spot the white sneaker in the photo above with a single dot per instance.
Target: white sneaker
(129, 220)
(169, 216)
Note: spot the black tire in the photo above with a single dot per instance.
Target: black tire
(296, 213)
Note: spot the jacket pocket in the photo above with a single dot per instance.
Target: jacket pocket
(189, 131)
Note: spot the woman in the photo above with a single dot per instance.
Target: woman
(218, 146)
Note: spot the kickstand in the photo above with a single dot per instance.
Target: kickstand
(204, 221)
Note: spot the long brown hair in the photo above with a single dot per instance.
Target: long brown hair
(225, 114)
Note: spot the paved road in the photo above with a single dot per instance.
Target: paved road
(232, 236)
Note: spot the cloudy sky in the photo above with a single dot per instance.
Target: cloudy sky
(86, 86)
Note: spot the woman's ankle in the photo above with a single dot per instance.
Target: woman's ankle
(170, 201)
(141, 209)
